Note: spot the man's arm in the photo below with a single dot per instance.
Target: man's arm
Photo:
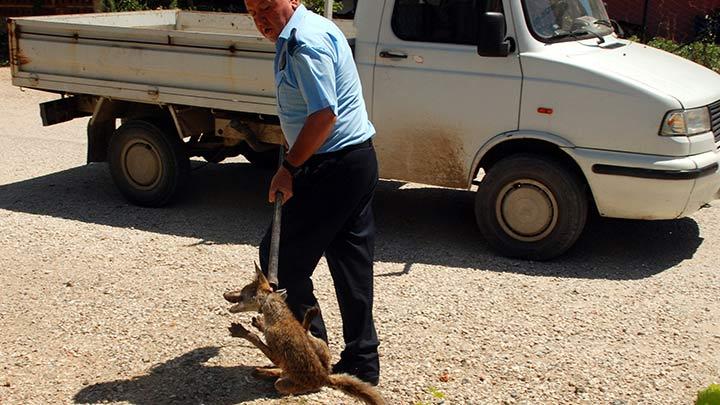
(314, 70)
(313, 135)
(316, 130)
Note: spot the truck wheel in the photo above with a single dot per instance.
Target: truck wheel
(147, 165)
(531, 207)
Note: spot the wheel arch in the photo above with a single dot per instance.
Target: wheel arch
(542, 144)
(102, 125)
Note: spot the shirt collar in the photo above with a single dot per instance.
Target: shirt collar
(294, 22)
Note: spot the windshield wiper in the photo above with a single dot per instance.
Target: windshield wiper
(578, 33)
(604, 22)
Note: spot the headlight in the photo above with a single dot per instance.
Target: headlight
(686, 122)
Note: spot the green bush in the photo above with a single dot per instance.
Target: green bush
(136, 5)
(709, 396)
(203, 5)
(318, 6)
(702, 52)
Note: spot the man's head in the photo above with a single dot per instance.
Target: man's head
(271, 16)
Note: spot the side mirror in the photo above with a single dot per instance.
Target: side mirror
(491, 36)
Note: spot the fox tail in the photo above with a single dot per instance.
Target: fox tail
(356, 388)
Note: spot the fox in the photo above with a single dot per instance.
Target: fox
(301, 361)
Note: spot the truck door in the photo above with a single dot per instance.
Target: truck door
(435, 101)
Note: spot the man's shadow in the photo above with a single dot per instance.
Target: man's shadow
(227, 204)
(183, 380)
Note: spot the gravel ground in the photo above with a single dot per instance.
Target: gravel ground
(105, 302)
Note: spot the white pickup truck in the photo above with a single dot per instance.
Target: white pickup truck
(537, 102)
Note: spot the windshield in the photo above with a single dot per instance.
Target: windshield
(560, 19)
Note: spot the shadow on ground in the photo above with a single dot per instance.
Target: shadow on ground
(183, 380)
(226, 204)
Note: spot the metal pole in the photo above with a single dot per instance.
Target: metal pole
(646, 9)
(328, 9)
(275, 235)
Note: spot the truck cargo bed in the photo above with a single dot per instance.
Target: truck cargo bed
(204, 59)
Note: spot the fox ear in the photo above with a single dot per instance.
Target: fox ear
(260, 276)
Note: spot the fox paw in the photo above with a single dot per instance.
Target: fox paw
(258, 323)
(238, 331)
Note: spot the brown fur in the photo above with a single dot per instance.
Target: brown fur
(302, 360)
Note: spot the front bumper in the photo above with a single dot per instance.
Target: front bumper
(637, 186)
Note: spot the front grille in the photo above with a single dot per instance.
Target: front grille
(715, 119)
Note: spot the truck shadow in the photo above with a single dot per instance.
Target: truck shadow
(182, 380)
(226, 204)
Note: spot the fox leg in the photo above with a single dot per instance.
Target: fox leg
(321, 350)
(287, 386)
(267, 373)
(237, 330)
(310, 314)
(319, 346)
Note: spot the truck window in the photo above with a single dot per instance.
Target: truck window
(447, 21)
(556, 18)
(347, 11)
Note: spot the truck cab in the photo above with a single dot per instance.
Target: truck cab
(542, 106)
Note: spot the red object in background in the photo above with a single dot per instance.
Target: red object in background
(673, 19)
(19, 8)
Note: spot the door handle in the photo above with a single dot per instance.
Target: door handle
(393, 55)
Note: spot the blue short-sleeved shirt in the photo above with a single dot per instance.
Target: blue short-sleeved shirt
(314, 70)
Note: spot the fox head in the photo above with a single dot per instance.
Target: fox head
(252, 296)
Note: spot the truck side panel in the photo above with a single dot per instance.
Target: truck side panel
(210, 60)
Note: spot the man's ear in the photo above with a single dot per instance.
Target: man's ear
(260, 276)
(295, 4)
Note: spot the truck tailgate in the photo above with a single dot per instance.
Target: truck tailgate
(215, 60)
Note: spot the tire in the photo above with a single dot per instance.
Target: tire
(531, 207)
(148, 166)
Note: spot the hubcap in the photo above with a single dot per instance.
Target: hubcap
(527, 210)
(141, 164)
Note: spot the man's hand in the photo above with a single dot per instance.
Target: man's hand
(314, 133)
(282, 182)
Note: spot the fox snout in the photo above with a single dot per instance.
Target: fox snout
(233, 296)
(236, 298)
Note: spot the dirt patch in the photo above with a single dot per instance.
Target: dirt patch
(428, 156)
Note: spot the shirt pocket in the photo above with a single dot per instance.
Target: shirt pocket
(286, 92)
(280, 81)
(289, 98)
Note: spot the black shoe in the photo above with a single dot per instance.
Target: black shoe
(343, 367)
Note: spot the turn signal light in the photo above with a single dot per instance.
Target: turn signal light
(544, 110)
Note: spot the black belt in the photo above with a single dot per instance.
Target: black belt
(329, 155)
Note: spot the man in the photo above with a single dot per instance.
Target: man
(328, 177)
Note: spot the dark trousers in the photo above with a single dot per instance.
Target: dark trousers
(331, 213)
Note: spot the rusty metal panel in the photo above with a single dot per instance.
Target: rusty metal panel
(215, 60)
(12, 42)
